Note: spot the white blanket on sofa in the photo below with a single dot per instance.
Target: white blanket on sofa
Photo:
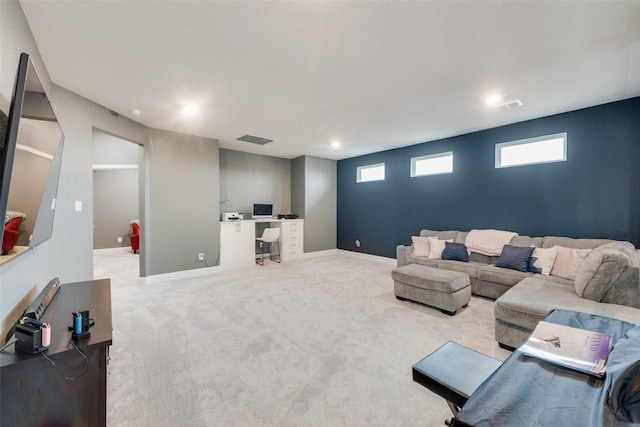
(488, 242)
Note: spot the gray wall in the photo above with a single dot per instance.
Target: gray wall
(115, 204)
(297, 186)
(68, 254)
(180, 178)
(182, 202)
(314, 193)
(115, 191)
(182, 214)
(247, 178)
(320, 204)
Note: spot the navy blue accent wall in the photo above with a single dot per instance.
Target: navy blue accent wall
(595, 193)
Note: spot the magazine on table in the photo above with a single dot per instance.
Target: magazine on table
(573, 348)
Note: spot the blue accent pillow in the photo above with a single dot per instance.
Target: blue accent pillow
(515, 257)
(532, 268)
(455, 252)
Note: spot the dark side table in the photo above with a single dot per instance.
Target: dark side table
(454, 372)
(33, 392)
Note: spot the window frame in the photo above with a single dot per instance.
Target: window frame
(499, 146)
(414, 160)
(371, 166)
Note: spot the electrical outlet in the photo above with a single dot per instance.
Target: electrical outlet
(200, 257)
(119, 239)
(357, 243)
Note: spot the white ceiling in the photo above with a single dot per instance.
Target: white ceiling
(374, 75)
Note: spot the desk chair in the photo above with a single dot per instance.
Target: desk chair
(269, 235)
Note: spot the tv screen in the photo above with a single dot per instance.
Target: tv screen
(10, 135)
(30, 154)
(262, 211)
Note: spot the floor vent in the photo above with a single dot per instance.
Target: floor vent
(255, 139)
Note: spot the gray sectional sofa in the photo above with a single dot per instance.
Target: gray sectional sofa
(607, 282)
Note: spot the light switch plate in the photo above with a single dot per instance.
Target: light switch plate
(78, 205)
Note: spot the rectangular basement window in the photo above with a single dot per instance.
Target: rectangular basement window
(542, 149)
(433, 164)
(371, 173)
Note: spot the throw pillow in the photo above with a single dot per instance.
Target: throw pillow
(542, 260)
(420, 246)
(436, 247)
(515, 257)
(568, 262)
(599, 272)
(455, 252)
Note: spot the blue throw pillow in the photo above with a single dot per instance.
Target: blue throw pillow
(532, 268)
(515, 257)
(455, 252)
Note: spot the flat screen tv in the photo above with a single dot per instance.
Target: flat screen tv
(30, 156)
(262, 210)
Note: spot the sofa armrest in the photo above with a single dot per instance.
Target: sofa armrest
(625, 290)
(401, 254)
(635, 258)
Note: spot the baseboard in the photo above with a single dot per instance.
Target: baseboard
(178, 275)
(317, 254)
(378, 258)
(390, 261)
(123, 249)
(198, 272)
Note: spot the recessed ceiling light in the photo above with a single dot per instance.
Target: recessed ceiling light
(335, 144)
(135, 111)
(493, 99)
(190, 110)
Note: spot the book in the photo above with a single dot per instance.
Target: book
(574, 348)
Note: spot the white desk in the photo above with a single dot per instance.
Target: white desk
(237, 240)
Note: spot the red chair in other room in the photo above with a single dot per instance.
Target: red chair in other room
(135, 237)
(10, 236)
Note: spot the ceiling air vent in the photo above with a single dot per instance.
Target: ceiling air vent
(510, 105)
(255, 139)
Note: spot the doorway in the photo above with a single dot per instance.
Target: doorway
(116, 192)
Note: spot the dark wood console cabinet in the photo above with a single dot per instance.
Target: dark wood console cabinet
(34, 393)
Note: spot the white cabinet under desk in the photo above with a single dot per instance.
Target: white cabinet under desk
(237, 240)
(237, 243)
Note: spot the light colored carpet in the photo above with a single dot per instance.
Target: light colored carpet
(316, 342)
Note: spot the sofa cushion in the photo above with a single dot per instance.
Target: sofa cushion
(503, 276)
(542, 260)
(485, 259)
(422, 261)
(555, 279)
(430, 278)
(526, 241)
(461, 236)
(568, 242)
(420, 246)
(625, 247)
(599, 271)
(471, 268)
(455, 252)
(442, 235)
(528, 302)
(515, 257)
(436, 246)
(568, 262)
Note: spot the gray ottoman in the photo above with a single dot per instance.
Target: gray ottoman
(443, 289)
